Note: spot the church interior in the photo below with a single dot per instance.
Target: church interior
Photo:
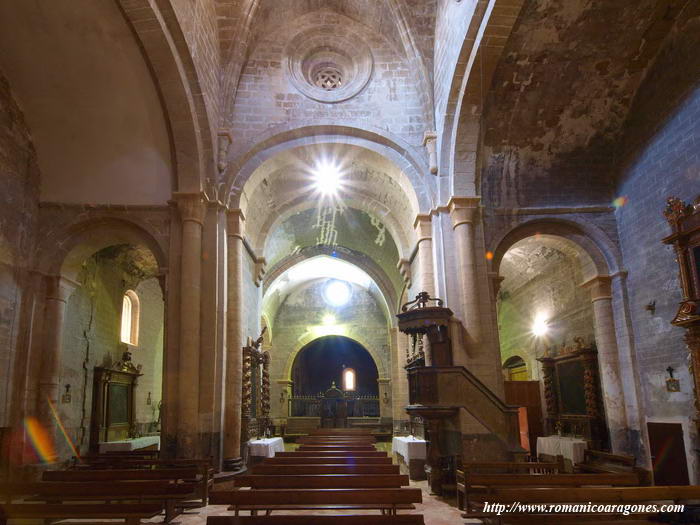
(349, 261)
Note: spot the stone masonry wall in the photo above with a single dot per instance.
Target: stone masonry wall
(662, 159)
(91, 338)
(19, 184)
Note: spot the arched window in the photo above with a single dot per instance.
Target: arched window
(515, 369)
(349, 379)
(130, 318)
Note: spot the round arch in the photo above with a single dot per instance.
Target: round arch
(588, 240)
(251, 155)
(355, 334)
(63, 252)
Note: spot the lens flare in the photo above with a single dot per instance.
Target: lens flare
(41, 441)
(489, 256)
(62, 428)
(620, 202)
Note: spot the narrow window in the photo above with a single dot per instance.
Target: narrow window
(130, 318)
(349, 379)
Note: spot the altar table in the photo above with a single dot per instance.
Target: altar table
(127, 445)
(570, 447)
(265, 448)
(411, 453)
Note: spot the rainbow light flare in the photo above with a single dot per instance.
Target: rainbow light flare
(59, 422)
(41, 440)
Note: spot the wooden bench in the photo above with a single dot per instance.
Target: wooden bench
(330, 481)
(339, 431)
(330, 448)
(340, 460)
(187, 474)
(493, 467)
(485, 484)
(605, 462)
(60, 492)
(319, 439)
(130, 513)
(399, 519)
(334, 453)
(595, 495)
(301, 468)
(269, 500)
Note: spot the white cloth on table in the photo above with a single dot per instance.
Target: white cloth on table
(129, 444)
(570, 447)
(409, 447)
(265, 447)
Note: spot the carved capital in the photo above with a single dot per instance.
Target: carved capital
(191, 206)
(430, 143)
(235, 223)
(224, 141)
(600, 287)
(423, 226)
(260, 268)
(59, 288)
(463, 210)
(404, 268)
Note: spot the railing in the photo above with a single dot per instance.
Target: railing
(355, 406)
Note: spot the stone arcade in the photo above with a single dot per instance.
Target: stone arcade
(468, 227)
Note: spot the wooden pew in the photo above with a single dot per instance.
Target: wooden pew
(130, 513)
(331, 439)
(60, 492)
(496, 467)
(299, 469)
(595, 495)
(335, 453)
(384, 499)
(399, 519)
(324, 460)
(330, 481)
(187, 474)
(485, 484)
(339, 431)
(605, 462)
(330, 448)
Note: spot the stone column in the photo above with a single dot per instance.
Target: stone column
(192, 210)
(424, 253)
(463, 211)
(234, 344)
(58, 290)
(608, 361)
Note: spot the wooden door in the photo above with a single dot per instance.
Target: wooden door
(668, 458)
(527, 394)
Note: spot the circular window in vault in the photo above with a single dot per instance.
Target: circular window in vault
(327, 67)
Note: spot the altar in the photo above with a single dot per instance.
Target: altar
(411, 453)
(571, 448)
(127, 445)
(265, 448)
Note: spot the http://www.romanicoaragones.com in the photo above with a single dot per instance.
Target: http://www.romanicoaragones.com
(579, 508)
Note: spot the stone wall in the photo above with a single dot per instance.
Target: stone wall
(19, 186)
(662, 159)
(92, 338)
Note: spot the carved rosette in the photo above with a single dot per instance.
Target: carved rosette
(590, 388)
(247, 382)
(550, 395)
(265, 397)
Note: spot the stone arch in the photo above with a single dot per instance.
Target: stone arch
(251, 155)
(167, 53)
(355, 335)
(588, 240)
(378, 275)
(63, 252)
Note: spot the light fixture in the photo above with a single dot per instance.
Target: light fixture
(328, 320)
(541, 325)
(337, 293)
(327, 178)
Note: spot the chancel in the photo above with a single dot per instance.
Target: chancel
(392, 261)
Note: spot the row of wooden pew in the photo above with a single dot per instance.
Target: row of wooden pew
(546, 483)
(122, 486)
(329, 472)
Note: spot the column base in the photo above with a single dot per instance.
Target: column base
(233, 465)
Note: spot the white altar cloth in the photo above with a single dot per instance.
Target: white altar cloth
(265, 447)
(129, 444)
(569, 447)
(409, 447)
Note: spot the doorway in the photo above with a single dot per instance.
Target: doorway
(668, 458)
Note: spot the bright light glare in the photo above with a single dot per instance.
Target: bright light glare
(328, 320)
(327, 178)
(541, 325)
(337, 293)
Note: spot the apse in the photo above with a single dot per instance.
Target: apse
(321, 364)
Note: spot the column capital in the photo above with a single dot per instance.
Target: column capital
(600, 287)
(192, 206)
(423, 226)
(260, 269)
(59, 288)
(384, 380)
(235, 223)
(404, 268)
(463, 210)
